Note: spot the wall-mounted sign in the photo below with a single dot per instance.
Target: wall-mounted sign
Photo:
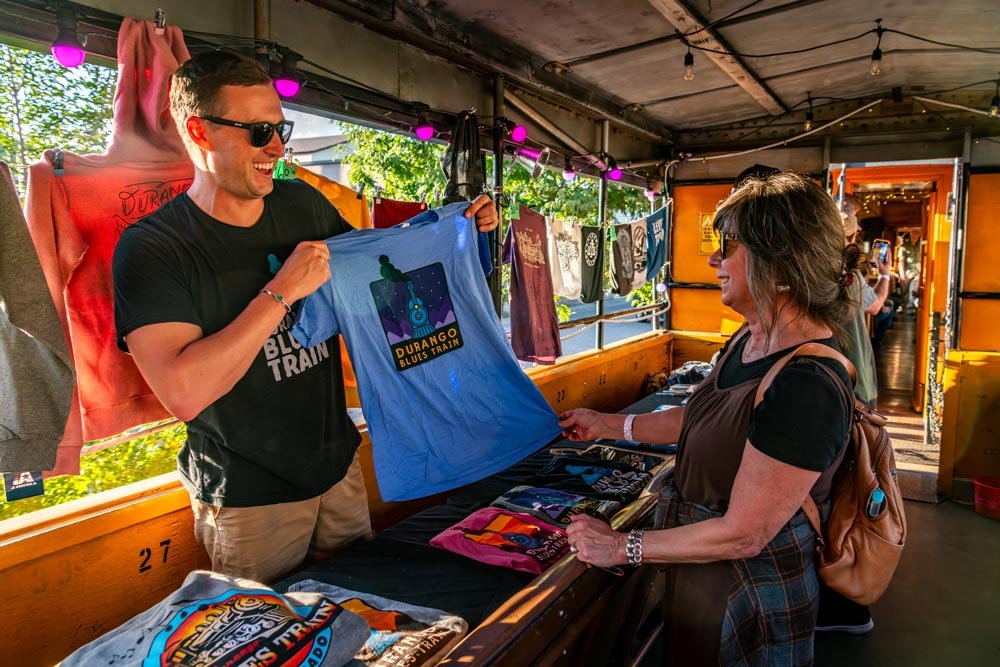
(708, 238)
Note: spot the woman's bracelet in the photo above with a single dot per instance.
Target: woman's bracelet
(627, 431)
(633, 547)
(277, 297)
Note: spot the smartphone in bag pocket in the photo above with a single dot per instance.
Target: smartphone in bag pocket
(880, 249)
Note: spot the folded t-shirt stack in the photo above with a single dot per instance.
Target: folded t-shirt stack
(217, 620)
(401, 634)
(553, 506)
(509, 539)
(594, 478)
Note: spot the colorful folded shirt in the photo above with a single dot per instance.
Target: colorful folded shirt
(217, 620)
(502, 537)
(401, 634)
(552, 506)
(594, 478)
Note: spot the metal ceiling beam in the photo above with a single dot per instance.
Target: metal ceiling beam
(687, 21)
(658, 41)
(432, 30)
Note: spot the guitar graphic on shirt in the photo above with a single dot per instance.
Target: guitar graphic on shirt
(417, 314)
(273, 264)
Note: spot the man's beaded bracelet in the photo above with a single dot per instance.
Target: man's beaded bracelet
(633, 547)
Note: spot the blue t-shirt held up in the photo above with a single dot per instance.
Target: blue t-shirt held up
(445, 399)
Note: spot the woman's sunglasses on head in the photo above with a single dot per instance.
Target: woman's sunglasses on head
(260, 133)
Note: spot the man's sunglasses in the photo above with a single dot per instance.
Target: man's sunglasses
(260, 133)
(727, 244)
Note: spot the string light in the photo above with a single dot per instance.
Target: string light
(688, 65)
(568, 172)
(66, 48)
(995, 102)
(809, 114)
(650, 192)
(877, 53)
(518, 134)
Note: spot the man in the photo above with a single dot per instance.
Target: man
(203, 289)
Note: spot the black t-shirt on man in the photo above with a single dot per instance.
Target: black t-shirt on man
(282, 433)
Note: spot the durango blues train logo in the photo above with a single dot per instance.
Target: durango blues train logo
(416, 313)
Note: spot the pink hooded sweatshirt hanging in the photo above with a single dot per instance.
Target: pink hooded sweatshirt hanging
(76, 212)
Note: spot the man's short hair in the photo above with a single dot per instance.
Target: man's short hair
(195, 86)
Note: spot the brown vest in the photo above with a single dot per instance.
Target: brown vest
(714, 434)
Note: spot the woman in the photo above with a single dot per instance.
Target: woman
(744, 585)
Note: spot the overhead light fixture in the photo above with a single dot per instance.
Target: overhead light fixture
(424, 130)
(613, 172)
(688, 65)
(568, 172)
(534, 159)
(809, 114)
(289, 81)
(66, 48)
(995, 102)
(877, 53)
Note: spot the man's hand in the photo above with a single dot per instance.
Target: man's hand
(303, 272)
(485, 211)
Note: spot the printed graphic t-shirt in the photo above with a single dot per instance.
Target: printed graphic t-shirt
(219, 620)
(592, 268)
(282, 433)
(445, 400)
(564, 258)
(622, 266)
(594, 478)
(534, 329)
(656, 225)
(552, 506)
(509, 539)
(401, 634)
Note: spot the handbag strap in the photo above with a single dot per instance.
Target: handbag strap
(812, 350)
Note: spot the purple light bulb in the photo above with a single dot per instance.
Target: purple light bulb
(424, 132)
(615, 174)
(287, 87)
(68, 55)
(519, 133)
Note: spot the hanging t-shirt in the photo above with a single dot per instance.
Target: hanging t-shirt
(352, 206)
(77, 207)
(564, 255)
(592, 267)
(553, 506)
(390, 212)
(282, 433)
(594, 478)
(401, 634)
(217, 620)
(445, 399)
(622, 266)
(505, 538)
(656, 226)
(640, 254)
(534, 327)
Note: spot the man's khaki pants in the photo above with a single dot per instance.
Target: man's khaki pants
(267, 542)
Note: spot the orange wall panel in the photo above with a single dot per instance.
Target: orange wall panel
(979, 325)
(695, 310)
(689, 263)
(981, 247)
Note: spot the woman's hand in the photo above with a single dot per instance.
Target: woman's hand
(596, 542)
(582, 424)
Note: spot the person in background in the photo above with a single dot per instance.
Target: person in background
(744, 587)
(203, 295)
(908, 258)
